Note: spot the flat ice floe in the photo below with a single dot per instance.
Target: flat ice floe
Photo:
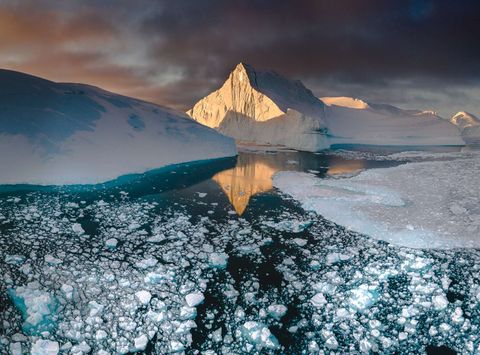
(433, 204)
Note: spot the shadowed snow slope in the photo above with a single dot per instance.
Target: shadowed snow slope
(353, 121)
(264, 107)
(469, 125)
(58, 133)
(422, 205)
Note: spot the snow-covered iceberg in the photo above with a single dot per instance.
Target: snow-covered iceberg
(431, 204)
(59, 133)
(469, 126)
(264, 107)
(353, 121)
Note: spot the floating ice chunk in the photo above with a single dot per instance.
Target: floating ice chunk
(37, 307)
(77, 228)
(188, 313)
(201, 194)
(318, 300)
(277, 311)
(146, 263)
(218, 260)
(14, 259)
(45, 347)
(445, 328)
(365, 346)
(81, 349)
(96, 308)
(101, 334)
(363, 297)
(140, 343)
(157, 238)
(439, 302)
(111, 243)
(457, 316)
(157, 317)
(194, 299)
(176, 346)
(15, 348)
(291, 226)
(184, 328)
(331, 343)
(259, 335)
(67, 291)
(300, 242)
(313, 347)
(50, 259)
(19, 337)
(324, 287)
(143, 296)
(333, 258)
(133, 226)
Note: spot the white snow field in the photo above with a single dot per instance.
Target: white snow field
(266, 108)
(58, 133)
(353, 121)
(433, 204)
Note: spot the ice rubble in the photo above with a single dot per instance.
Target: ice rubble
(259, 335)
(45, 347)
(38, 307)
(374, 296)
(422, 205)
(78, 134)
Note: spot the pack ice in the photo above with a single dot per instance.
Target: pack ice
(58, 133)
(430, 204)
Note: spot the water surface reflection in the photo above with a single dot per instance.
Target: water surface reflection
(253, 172)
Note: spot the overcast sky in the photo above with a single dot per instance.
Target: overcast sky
(412, 53)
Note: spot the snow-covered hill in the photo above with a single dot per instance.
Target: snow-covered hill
(469, 126)
(264, 107)
(353, 121)
(58, 133)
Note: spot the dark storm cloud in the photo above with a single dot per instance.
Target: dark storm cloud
(173, 52)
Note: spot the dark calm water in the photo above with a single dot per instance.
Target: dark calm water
(374, 297)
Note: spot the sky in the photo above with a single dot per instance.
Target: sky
(421, 54)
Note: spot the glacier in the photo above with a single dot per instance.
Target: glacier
(429, 204)
(60, 133)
